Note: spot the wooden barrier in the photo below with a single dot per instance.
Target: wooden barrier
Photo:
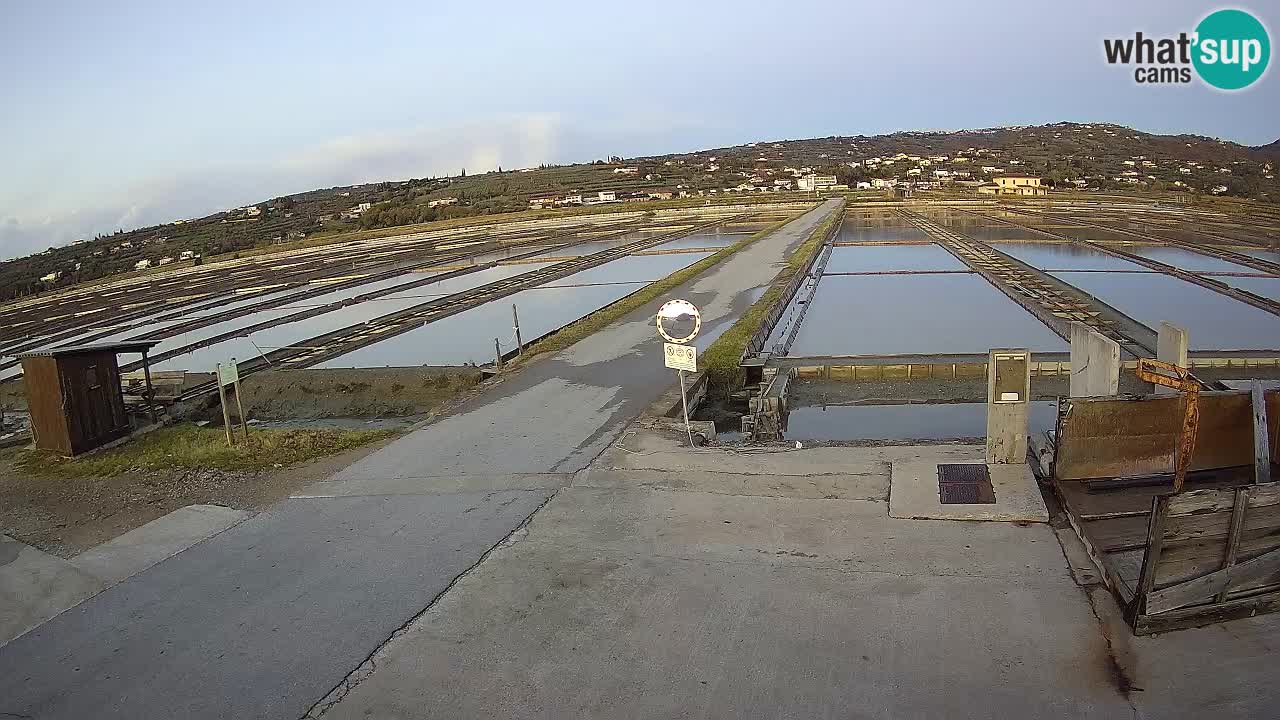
(1173, 561)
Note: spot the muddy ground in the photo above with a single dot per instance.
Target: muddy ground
(66, 516)
(323, 393)
(806, 392)
(358, 393)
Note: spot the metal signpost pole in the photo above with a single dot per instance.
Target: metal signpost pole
(684, 400)
(677, 354)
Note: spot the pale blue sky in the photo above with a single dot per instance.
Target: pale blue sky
(131, 113)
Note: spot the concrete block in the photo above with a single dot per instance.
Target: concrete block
(913, 494)
(160, 539)
(1007, 433)
(1095, 362)
(35, 586)
(1171, 347)
(1008, 392)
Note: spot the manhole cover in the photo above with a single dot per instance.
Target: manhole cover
(968, 484)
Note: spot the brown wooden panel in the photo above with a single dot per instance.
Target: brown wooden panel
(94, 404)
(44, 401)
(1196, 502)
(1215, 525)
(1115, 534)
(1203, 588)
(1126, 437)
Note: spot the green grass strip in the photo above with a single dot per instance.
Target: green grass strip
(721, 360)
(609, 314)
(188, 446)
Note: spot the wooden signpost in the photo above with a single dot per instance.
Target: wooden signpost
(229, 375)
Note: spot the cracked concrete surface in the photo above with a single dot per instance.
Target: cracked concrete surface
(666, 583)
(747, 591)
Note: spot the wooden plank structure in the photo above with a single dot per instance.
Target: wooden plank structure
(1175, 559)
(75, 397)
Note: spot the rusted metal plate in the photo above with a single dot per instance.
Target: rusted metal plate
(965, 484)
(1126, 437)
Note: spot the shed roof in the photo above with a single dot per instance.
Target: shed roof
(131, 346)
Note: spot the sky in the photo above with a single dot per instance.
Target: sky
(121, 115)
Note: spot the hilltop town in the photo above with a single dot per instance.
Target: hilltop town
(1079, 157)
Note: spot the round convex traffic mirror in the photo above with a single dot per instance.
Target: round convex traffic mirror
(679, 321)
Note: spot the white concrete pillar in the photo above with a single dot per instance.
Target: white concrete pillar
(1095, 362)
(1008, 395)
(1171, 347)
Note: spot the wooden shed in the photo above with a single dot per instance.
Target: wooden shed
(74, 395)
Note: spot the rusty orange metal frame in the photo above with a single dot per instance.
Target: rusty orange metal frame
(1179, 378)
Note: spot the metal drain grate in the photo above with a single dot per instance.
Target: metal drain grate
(965, 485)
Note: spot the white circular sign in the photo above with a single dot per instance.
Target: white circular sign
(679, 315)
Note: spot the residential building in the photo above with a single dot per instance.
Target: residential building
(1020, 185)
(816, 182)
(442, 202)
(51, 277)
(142, 265)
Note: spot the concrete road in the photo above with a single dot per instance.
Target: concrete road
(268, 617)
(665, 583)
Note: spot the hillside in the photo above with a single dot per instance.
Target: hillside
(1084, 156)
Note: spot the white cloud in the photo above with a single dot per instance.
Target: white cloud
(517, 141)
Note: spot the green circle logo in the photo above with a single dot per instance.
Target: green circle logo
(1232, 49)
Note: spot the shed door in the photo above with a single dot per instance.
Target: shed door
(90, 402)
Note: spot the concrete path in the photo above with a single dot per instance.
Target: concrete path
(35, 586)
(665, 583)
(266, 618)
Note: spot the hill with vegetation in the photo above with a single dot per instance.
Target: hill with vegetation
(1083, 156)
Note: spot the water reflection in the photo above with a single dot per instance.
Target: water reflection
(879, 258)
(1064, 256)
(1214, 321)
(893, 314)
(915, 421)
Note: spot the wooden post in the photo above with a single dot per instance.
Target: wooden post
(497, 353)
(151, 391)
(1239, 508)
(1261, 441)
(244, 423)
(515, 318)
(222, 397)
(1151, 558)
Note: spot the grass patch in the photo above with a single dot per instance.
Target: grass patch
(187, 446)
(607, 315)
(721, 360)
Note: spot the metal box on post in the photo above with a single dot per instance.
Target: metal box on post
(1008, 394)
